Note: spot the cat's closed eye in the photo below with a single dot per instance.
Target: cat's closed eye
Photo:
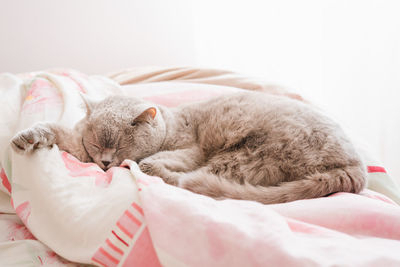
(93, 145)
(137, 122)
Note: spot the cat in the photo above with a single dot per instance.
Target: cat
(246, 145)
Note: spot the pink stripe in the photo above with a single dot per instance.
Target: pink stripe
(139, 209)
(372, 169)
(114, 247)
(99, 262)
(133, 218)
(24, 211)
(104, 258)
(129, 223)
(123, 229)
(108, 256)
(5, 181)
(120, 239)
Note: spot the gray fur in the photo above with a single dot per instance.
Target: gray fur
(247, 145)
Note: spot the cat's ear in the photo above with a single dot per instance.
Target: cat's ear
(149, 113)
(88, 104)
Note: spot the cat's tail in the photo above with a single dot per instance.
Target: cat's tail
(348, 179)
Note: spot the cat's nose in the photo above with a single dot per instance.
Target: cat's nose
(106, 163)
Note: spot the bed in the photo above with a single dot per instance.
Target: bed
(58, 211)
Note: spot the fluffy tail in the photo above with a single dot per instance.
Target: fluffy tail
(348, 179)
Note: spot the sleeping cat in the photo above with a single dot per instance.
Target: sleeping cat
(247, 145)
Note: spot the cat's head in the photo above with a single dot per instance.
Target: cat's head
(119, 128)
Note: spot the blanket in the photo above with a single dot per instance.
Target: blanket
(58, 211)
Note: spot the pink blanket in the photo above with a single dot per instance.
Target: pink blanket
(341, 230)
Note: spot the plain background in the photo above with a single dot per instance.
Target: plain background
(342, 55)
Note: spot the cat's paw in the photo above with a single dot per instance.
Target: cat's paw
(149, 167)
(33, 138)
(156, 168)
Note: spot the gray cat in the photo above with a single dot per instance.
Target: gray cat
(246, 145)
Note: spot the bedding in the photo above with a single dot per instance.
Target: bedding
(58, 211)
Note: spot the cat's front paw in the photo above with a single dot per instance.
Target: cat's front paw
(33, 138)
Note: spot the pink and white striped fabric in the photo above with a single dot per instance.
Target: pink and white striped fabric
(57, 211)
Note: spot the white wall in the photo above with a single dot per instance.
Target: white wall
(94, 36)
(361, 72)
(342, 54)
